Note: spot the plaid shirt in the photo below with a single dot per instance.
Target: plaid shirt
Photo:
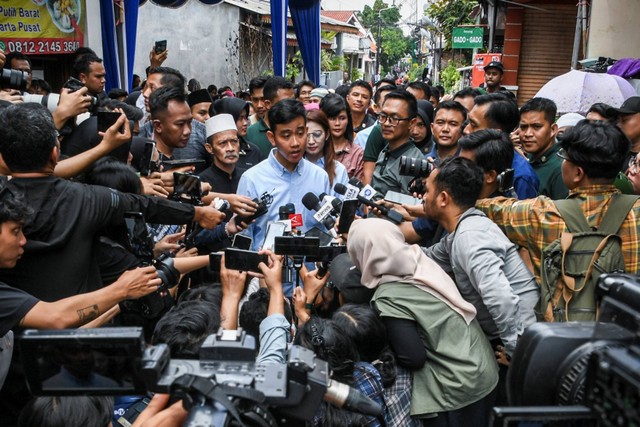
(535, 223)
(397, 399)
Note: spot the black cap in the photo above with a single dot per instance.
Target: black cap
(198, 96)
(630, 106)
(495, 64)
(346, 278)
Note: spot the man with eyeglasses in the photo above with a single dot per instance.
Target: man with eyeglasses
(398, 114)
(592, 153)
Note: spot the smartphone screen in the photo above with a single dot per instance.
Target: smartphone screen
(241, 241)
(401, 199)
(140, 242)
(347, 215)
(160, 46)
(106, 119)
(243, 260)
(274, 229)
(188, 185)
(148, 158)
(215, 259)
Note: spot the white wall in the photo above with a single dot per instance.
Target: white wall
(201, 39)
(614, 29)
(93, 34)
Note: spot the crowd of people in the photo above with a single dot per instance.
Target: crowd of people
(423, 316)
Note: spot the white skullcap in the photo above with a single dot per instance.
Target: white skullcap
(220, 123)
(569, 119)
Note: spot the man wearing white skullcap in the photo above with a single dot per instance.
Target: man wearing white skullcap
(223, 144)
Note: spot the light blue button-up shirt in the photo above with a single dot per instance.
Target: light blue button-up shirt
(341, 177)
(285, 187)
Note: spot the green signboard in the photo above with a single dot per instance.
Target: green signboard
(467, 37)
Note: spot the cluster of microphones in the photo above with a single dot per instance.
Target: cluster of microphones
(328, 208)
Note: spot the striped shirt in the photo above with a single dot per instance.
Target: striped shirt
(535, 223)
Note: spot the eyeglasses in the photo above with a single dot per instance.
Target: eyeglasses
(393, 121)
(633, 165)
(563, 155)
(317, 135)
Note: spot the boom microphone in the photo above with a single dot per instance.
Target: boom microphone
(343, 396)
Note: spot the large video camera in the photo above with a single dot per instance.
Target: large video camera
(585, 363)
(224, 384)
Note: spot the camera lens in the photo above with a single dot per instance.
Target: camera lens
(14, 79)
(417, 167)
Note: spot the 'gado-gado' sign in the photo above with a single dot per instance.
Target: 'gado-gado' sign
(41, 26)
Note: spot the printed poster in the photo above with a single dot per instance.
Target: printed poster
(42, 27)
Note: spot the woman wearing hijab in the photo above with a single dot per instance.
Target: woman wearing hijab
(430, 326)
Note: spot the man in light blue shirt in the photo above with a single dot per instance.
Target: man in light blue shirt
(285, 175)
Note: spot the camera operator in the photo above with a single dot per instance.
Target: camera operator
(89, 69)
(18, 62)
(60, 252)
(398, 115)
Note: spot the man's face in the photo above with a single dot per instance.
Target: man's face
(418, 131)
(630, 126)
(305, 94)
(290, 139)
(398, 134)
(447, 127)
(242, 123)
(536, 133)
(200, 111)
(153, 83)
(345, 77)
(12, 241)
(224, 147)
(492, 77)
(95, 80)
(174, 125)
(477, 119)
(467, 102)
(22, 65)
(429, 202)
(359, 99)
(257, 99)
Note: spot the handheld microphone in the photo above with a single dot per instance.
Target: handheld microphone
(323, 212)
(285, 211)
(335, 202)
(392, 215)
(353, 188)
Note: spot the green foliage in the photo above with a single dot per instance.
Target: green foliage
(369, 15)
(394, 46)
(448, 14)
(450, 78)
(337, 63)
(355, 74)
(294, 66)
(415, 72)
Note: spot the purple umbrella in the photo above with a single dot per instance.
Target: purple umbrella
(576, 91)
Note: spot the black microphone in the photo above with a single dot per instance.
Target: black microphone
(285, 211)
(311, 202)
(343, 396)
(392, 215)
(335, 202)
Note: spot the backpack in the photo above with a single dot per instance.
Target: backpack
(572, 264)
